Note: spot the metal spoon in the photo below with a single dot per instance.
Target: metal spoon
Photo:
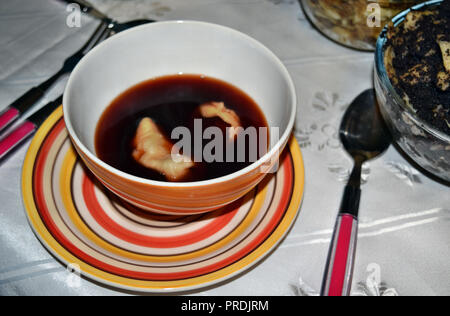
(364, 136)
(115, 27)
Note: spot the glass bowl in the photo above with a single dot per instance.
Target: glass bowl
(424, 144)
(346, 21)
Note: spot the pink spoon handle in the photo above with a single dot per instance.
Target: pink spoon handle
(7, 117)
(338, 279)
(11, 141)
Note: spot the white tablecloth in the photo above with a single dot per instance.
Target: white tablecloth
(405, 216)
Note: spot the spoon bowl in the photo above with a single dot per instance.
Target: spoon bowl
(363, 131)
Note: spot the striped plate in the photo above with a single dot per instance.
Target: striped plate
(114, 243)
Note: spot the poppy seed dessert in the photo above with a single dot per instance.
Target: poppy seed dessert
(417, 59)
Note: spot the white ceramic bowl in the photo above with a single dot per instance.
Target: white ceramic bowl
(166, 48)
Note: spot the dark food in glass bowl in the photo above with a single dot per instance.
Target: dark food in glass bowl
(413, 86)
(417, 59)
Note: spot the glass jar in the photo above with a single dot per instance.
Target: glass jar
(354, 23)
(424, 144)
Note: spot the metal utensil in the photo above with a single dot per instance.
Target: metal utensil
(115, 26)
(364, 136)
(26, 101)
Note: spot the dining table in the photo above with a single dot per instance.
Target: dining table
(404, 230)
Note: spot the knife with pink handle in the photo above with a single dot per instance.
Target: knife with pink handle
(21, 105)
(19, 135)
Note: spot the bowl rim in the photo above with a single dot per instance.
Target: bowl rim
(257, 164)
(382, 72)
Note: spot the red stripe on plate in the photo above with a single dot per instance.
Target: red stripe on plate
(100, 216)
